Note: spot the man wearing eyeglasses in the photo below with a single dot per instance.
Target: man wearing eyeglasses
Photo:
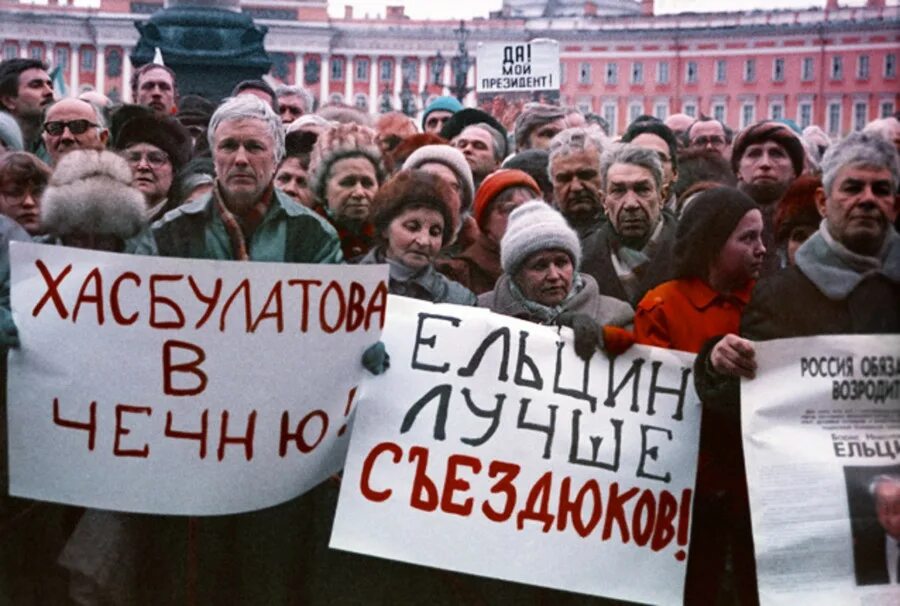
(709, 133)
(73, 124)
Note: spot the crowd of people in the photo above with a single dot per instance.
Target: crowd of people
(681, 233)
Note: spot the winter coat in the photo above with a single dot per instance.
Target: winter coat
(288, 233)
(597, 261)
(477, 268)
(427, 285)
(602, 309)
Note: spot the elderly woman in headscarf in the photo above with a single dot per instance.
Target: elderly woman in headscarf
(346, 170)
(540, 255)
(414, 219)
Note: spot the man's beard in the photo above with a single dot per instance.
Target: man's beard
(764, 193)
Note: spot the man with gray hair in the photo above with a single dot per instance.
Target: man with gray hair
(244, 217)
(536, 126)
(574, 170)
(483, 147)
(633, 251)
(293, 102)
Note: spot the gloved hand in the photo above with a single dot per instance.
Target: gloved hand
(587, 332)
(616, 340)
(9, 334)
(376, 359)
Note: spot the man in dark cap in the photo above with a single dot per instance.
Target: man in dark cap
(480, 138)
(260, 89)
(155, 147)
(194, 113)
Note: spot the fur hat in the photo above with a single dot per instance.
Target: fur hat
(494, 184)
(453, 159)
(10, 133)
(194, 110)
(90, 193)
(164, 132)
(349, 140)
(413, 189)
(535, 115)
(769, 131)
(705, 226)
(533, 227)
(469, 116)
(446, 104)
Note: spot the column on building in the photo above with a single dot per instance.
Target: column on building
(373, 84)
(422, 83)
(349, 75)
(100, 73)
(324, 77)
(126, 75)
(398, 80)
(299, 70)
(23, 50)
(446, 78)
(74, 66)
(469, 101)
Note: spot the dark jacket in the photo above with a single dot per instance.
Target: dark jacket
(477, 268)
(597, 261)
(426, 285)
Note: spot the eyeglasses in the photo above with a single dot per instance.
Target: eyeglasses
(76, 127)
(704, 141)
(154, 158)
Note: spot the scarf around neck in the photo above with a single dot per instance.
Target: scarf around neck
(544, 313)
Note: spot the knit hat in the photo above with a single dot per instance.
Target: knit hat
(447, 104)
(469, 116)
(90, 193)
(10, 133)
(349, 140)
(494, 184)
(164, 132)
(533, 227)
(194, 110)
(416, 189)
(705, 227)
(797, 207)
(769, 131)
(535, 115)
(453, 159)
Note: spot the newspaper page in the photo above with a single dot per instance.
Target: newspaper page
(821, 431)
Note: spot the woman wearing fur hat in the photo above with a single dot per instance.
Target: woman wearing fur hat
(346, 170)
(413, 221)
(719, 253)
(90, 202)
(540, 255)
(478, 266)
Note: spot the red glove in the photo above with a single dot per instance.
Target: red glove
(617, 340)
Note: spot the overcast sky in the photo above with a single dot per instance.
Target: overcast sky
(467, 9)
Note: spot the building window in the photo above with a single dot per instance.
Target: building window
(88, 55)
(805, 114)
(750, 70)
(834, 119)
(778, 70)
(862, 67)
(748, 114)
(662, 72)
(336, 98)
(634, 110)
(837, 68)
(361, 101)
(337, 68)
(114, 63)
(584, 106)
(860, 115)
(610, 112)
(10, 51)
(584, 73)
(612, 73)
(637, 72)
(691, 74)
(718, 111)
(807, 70)
(62, 57)
(562, 72)
(362, 71)
(386, 70)
(690, 109)
(37, 53)
(776, 111)
(887, 109)
(661, 110)
(721, 70)
(890, 65)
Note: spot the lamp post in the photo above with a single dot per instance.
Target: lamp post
(461, 63)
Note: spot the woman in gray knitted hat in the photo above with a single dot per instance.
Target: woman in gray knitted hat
(540, 255)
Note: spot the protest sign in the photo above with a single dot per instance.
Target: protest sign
(178, 386)
(517, 66)
(490, 448)
(821, 425)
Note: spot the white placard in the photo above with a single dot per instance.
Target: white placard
(517, 66)
(821, 422)
(179, 386)
(482, 418)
